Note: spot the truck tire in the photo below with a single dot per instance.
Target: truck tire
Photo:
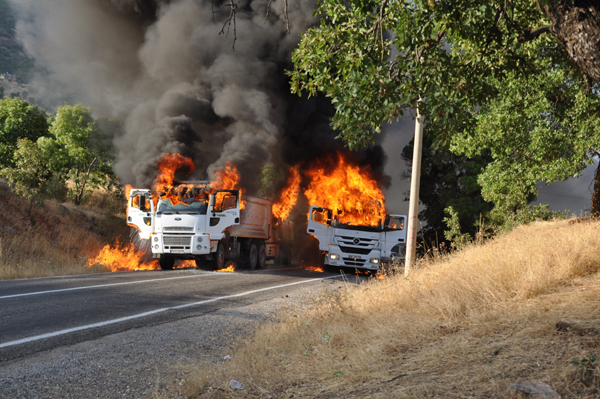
(166, 262)
(252, 256)
(218, 261)
(262, 256)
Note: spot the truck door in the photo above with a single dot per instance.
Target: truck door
(394, 239)
(224, 211)
(140, 212)
(319, 220)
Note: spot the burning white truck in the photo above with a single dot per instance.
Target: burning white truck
(360, 247)
(209, 227)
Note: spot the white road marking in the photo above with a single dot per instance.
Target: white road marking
(106, 285)
(139, 315)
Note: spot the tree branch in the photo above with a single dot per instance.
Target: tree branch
(232, 9)
(529, 35)
(285, 14)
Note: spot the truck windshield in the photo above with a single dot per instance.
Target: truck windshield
(190, 206)
(339, 225)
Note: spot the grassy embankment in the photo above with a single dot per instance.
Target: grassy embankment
(464, 325)
(56, 239)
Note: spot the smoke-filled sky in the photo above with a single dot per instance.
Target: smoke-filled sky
(178, 85)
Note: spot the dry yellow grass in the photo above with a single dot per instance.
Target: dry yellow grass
(465, 325)
(55, 239)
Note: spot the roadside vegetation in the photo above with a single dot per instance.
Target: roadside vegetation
(54, 238)
(520, 307)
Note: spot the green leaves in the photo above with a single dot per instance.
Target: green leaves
(79, 150)
(30, 176)
(541, 127)
(18, 120)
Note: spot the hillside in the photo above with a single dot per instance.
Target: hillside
(12, 57)
(57, 239)
(523, 307)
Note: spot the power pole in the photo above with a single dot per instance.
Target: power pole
(413, 207)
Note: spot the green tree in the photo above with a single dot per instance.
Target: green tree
(19, 120)
(30, 177)
(541, 127)
(448, 180)
(79, 150)
(459, 62)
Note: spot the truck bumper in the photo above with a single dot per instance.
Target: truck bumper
(177, 244)
(335, 257)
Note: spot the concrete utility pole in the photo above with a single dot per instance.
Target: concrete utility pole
(413, 207)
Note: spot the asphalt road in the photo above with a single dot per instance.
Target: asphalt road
(41, 314)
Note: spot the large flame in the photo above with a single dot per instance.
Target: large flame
(289, 196)
(119, 257)
(349, 191)
(167, 165)
(227, 179)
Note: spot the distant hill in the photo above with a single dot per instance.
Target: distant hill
(12, 56)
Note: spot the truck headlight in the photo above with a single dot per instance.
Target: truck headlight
(155, 239)
(374, 260)
(156, 246)
(198, 247)
(334, 256)
(199, 240)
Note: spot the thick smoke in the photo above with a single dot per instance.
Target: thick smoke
(178, 85)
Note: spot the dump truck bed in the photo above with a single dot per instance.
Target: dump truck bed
(255, 219)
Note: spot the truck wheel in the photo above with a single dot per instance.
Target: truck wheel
(218, 261)
(252, 256)
(166, 262)
(262, 256)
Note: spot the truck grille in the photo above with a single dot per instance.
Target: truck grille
(356, 245)
(352, 250)
(178, 228)
(177, 240)
(354, 262)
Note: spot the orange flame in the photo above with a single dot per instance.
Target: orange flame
(314, 269)
(227, 179)
(167, 165)
(228, 269)
(121, 257)
(349, 191)
(128, 188)
(289, 196)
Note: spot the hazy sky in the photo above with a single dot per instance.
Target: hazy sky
(574, 194)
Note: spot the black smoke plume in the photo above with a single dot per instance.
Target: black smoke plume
(179, 86)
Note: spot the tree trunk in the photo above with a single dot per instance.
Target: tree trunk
(596, 195)
(576, 24)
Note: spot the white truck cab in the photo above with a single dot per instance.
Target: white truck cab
(361, 247)
(209, 228)
(187, 229)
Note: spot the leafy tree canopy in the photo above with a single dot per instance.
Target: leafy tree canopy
(30, 176)
(495, 74)
(19, 120)
(79, 149)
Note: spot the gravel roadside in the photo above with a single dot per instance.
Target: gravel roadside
(143, 362)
